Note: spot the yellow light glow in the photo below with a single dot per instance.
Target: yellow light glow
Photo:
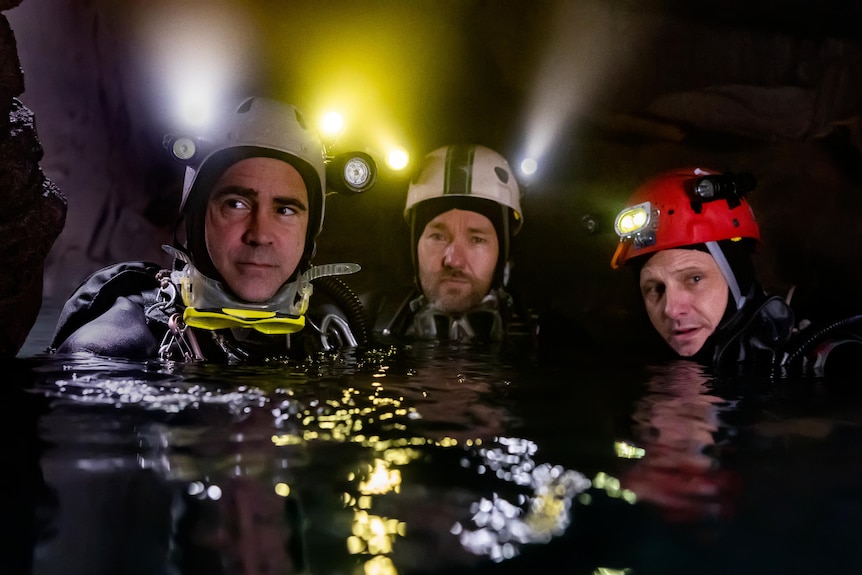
(332, 124)
(397, 159)
(380, 566)
(632, 219)
(355, 545)
(627, 451)
(382, 479)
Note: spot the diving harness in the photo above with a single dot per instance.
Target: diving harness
(208, 306)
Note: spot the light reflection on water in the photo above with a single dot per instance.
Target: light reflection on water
(426, 460)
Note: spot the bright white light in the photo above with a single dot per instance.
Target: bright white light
(195, 107)
(529, 166)
(192, 55)
(397, 159)
(332, 124)
(582, 51)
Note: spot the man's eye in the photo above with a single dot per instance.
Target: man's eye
(235, 203)
(652, 291)
(286, 210)
(479, 239)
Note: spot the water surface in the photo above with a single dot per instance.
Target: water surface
(426, 459)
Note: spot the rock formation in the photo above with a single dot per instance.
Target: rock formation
(34, 209)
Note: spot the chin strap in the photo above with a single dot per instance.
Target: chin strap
(730, 278)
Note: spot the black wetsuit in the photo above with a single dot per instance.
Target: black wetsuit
(126, 310)
(765, 339)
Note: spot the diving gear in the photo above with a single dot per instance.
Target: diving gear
(209, 305)
(482, 323)
(180, 339)
(755, 337)
(683, 208)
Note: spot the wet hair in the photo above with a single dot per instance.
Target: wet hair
(199, 196)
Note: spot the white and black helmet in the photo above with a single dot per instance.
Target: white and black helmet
(469, 177)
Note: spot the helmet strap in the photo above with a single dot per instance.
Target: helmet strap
(720, 259)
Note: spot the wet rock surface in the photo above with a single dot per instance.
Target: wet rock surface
(34, 209)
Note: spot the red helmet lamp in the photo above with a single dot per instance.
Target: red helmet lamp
(682, 208)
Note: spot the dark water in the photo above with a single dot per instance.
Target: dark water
(432, 460)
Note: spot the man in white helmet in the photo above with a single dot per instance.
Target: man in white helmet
(462, 207)
(253, 205)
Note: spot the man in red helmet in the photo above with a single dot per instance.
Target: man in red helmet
(689, 234)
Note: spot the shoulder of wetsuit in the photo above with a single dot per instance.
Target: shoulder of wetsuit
(98, 292)
(756, 338)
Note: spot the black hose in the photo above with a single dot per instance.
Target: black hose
(349, 303)
(818, 335)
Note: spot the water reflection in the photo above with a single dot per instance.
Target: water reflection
(393, 461)
(678, 432)
(424, 461)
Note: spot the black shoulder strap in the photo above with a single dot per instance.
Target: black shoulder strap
(99, 291)
(393, 312)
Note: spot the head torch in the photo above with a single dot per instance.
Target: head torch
(637, 224)
(351, 172)
(730, 187)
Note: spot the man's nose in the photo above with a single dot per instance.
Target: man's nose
(453, 256)
(259, 229)
(676, 302)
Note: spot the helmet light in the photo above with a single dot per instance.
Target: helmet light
(183, 149)
(730, 187)
(353, 172)
(633, 220)
(357, 172)
(705, 188)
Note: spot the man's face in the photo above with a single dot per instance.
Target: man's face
(256, 221)
(457, 255)
(685, 295)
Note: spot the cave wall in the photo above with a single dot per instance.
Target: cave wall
(34, 209)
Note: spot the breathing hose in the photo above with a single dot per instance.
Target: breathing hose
(818, 335)
(347, 300)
